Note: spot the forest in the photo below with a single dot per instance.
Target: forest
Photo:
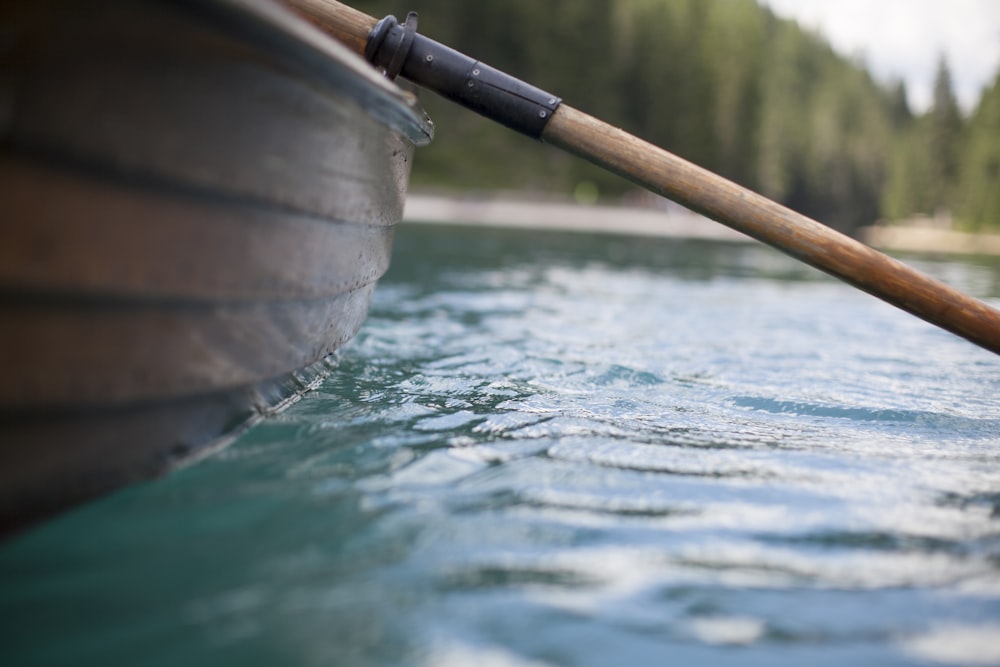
(725, 84)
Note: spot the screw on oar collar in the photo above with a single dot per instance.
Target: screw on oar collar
(400, 51)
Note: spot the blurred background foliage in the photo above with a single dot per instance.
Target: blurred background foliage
(724, 83)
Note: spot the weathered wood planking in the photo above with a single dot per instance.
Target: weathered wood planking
(196, 200)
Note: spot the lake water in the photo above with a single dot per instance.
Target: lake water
(549, 449)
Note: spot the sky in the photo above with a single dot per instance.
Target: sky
(903, 39)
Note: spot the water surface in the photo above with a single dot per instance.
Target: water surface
(551, 449)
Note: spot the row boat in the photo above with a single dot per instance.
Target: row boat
(196, 201)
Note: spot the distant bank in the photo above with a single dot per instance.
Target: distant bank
(674, 222)
(666, 222)
(920, 239)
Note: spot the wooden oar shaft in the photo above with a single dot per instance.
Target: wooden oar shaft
(343, 23)
(780, 227)
(724, 201)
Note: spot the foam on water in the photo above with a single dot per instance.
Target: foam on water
(567, 450)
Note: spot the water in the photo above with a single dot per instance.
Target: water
(567, 450)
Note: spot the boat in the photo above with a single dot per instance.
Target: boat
(196, 201)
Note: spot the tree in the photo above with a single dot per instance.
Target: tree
(943, 132)
(724, 83)
(899, 106)
(979, 188)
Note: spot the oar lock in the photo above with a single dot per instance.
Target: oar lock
(398, 50)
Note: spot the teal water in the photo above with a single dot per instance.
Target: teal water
(554, 449)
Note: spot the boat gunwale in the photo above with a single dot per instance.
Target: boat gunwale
(313, 53)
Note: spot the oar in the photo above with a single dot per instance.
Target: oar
(398, 49)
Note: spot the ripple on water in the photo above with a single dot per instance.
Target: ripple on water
(534, 453)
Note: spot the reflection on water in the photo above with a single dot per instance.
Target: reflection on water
(568, 450)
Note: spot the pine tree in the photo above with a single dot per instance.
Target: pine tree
(979, 191)
(944, 131)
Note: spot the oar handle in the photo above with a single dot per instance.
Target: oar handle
(666, 174)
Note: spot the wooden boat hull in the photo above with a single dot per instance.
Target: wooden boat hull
(196, 200)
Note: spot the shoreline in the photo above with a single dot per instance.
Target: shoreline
(675, 222)
(669, 222)
(930, 240)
